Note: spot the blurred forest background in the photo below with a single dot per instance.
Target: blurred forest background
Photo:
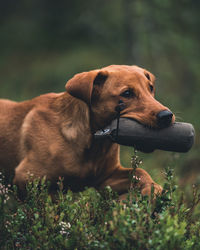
(44, 43)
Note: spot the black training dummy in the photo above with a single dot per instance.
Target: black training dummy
(179, 137)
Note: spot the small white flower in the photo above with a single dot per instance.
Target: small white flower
(4, 190)
(64, 228)
(136, 178)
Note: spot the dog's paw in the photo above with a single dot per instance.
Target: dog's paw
(151, 189)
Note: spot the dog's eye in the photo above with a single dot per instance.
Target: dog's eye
(127, 94)
(151, 88)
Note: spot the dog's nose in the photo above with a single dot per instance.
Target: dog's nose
(164, 118)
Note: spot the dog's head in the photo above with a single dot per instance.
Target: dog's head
(103, 90)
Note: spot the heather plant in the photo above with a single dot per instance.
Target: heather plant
(98, 220)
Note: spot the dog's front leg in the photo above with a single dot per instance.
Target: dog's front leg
(27, 170)
(120, 181)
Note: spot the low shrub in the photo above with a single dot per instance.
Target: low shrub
(93, 220)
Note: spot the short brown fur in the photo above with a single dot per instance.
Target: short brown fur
(52, 135)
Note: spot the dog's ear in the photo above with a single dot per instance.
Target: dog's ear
(81, 85)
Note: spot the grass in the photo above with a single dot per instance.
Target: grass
(93, 220)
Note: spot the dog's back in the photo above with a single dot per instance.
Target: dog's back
(11, 118)
(12, 115)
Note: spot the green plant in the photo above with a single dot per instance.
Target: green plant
(93, 220)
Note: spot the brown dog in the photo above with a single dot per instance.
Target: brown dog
(52, 135)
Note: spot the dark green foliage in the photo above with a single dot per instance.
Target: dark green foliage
(90, 220)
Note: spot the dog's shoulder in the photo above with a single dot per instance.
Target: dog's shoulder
(40, 107)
